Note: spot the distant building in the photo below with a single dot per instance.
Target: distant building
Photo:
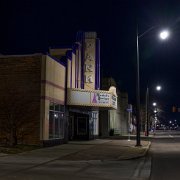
(116, 120)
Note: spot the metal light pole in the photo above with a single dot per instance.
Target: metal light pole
(163, 35)
(147, 111)
(138, 121)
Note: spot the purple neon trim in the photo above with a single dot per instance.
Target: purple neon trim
(75, 46)
(74, 51)
(69, 55)
(78, 68)
(75, 70)
(96, 66)
(82, 60)
(71, 75)
(99, 64)
(97, 71)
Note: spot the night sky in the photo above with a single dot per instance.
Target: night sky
(32, 26)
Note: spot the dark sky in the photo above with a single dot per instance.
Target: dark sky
(31, 26)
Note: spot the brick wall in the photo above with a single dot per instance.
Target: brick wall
(20, 82)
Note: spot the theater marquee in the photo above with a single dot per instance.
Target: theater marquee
(92, 98)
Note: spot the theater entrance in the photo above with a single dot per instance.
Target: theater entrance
(80, 126)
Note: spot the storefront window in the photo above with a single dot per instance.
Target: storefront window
(56, 121)
(57, 107)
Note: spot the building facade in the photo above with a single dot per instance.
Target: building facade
(57, 96)
(84, 97)
(32, 98)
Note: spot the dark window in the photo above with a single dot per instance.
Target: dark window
(56, 121)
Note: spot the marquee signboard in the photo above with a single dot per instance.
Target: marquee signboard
(100, 98)
(92, 98)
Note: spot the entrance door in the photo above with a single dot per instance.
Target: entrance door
(82, 127)
(78, 126)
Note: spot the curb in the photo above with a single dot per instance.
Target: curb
(143, 170)
(137, 156)
(147, 149)
(3, 154)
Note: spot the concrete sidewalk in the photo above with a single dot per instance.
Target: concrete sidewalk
(95, 159)
(98, 149)
(107, 150)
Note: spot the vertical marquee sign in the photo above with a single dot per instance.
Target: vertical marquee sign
(89, 63)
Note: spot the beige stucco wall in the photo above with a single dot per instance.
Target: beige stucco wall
(112, 119)
(52, 89)
(55, 73)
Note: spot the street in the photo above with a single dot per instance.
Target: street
(97, 159)
(165, 153)
(71, 170)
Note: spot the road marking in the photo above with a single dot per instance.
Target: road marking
(143, 169)
(138, 168)
(170, 136)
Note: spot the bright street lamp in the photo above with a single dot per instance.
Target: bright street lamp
(158, 88)
(154, 104)
(163, 35)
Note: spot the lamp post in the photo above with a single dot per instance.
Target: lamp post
(147, 112)
(138, 137)
(163, 35)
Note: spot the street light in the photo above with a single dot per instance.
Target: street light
(158, 88)
(155, 111)
(163, 35)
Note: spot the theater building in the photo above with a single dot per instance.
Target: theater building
(61, 90)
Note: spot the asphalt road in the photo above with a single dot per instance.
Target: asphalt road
(165, 153)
